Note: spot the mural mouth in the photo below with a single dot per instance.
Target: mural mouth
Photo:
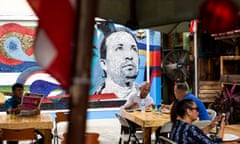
(129, 66)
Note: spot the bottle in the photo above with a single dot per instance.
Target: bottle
(142, 104)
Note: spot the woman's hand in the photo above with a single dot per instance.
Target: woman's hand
(212, 125)
(222, 126)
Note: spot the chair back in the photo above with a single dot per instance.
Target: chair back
(18, 134)
(166, 128)
(165, 140)
(165, 131)
(90, 138)
(128, 131)
(61, 116)
(201, 123)
(212, 113)
(61, 125)
(122, 120)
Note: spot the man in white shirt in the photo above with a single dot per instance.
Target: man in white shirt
(135, 100)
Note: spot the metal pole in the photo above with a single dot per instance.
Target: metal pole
(195, 59)
(148, 54)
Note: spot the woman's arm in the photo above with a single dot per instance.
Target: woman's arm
(212, 125)
(198, 136)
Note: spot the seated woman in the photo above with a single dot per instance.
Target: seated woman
(182, 116)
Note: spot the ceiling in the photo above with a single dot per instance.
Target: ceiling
(162, 15)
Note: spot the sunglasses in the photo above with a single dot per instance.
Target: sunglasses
(194, 108)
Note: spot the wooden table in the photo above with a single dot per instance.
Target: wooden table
(233, 129)
(42, 122)
(147, 120)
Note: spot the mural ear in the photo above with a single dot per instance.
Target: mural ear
(103, 64)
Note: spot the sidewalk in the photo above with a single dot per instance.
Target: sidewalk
(109, 129)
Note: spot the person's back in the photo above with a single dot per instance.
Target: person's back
(181, 92)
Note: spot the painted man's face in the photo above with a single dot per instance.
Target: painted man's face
(122, 57)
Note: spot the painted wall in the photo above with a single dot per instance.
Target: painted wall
(17, 63)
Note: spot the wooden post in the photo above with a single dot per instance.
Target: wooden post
(85, 14)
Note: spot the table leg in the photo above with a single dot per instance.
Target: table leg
(147, 135)
(47, 133)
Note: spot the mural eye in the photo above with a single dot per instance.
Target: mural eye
(119, 48)
(134, 48)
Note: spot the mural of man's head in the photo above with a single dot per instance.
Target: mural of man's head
(119, 57)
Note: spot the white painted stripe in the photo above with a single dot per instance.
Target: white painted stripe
(8, 78)
(44, 51)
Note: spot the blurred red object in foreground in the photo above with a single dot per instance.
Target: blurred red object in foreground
(219, 16)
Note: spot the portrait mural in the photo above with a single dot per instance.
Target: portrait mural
(122, 60)
(119, 64)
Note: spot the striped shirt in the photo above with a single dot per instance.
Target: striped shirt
(184, 133)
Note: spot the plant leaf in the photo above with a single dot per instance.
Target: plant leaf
(233, 88)
(227, 92)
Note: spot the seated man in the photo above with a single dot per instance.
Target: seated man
(181, 92)
(135, 100)
(13, 106)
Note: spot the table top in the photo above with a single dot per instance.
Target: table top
(41, 121)
(232, 129)
(146, 119)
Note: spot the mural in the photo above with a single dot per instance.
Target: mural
(122, 60)
(17, 63)
(119, 64)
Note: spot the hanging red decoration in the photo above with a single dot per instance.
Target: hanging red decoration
(218, 16)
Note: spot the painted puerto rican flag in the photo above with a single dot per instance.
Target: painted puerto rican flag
(54, 41)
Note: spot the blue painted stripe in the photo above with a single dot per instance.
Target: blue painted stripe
(107, 113)
(102, 114)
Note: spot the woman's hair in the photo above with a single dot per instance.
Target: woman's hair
(179, 108)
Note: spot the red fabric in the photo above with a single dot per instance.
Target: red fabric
(56, 18)
(192, 28)
(219, 16)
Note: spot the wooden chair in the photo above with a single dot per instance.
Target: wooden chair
(61, 124)
(91, 138)
(19, 134)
